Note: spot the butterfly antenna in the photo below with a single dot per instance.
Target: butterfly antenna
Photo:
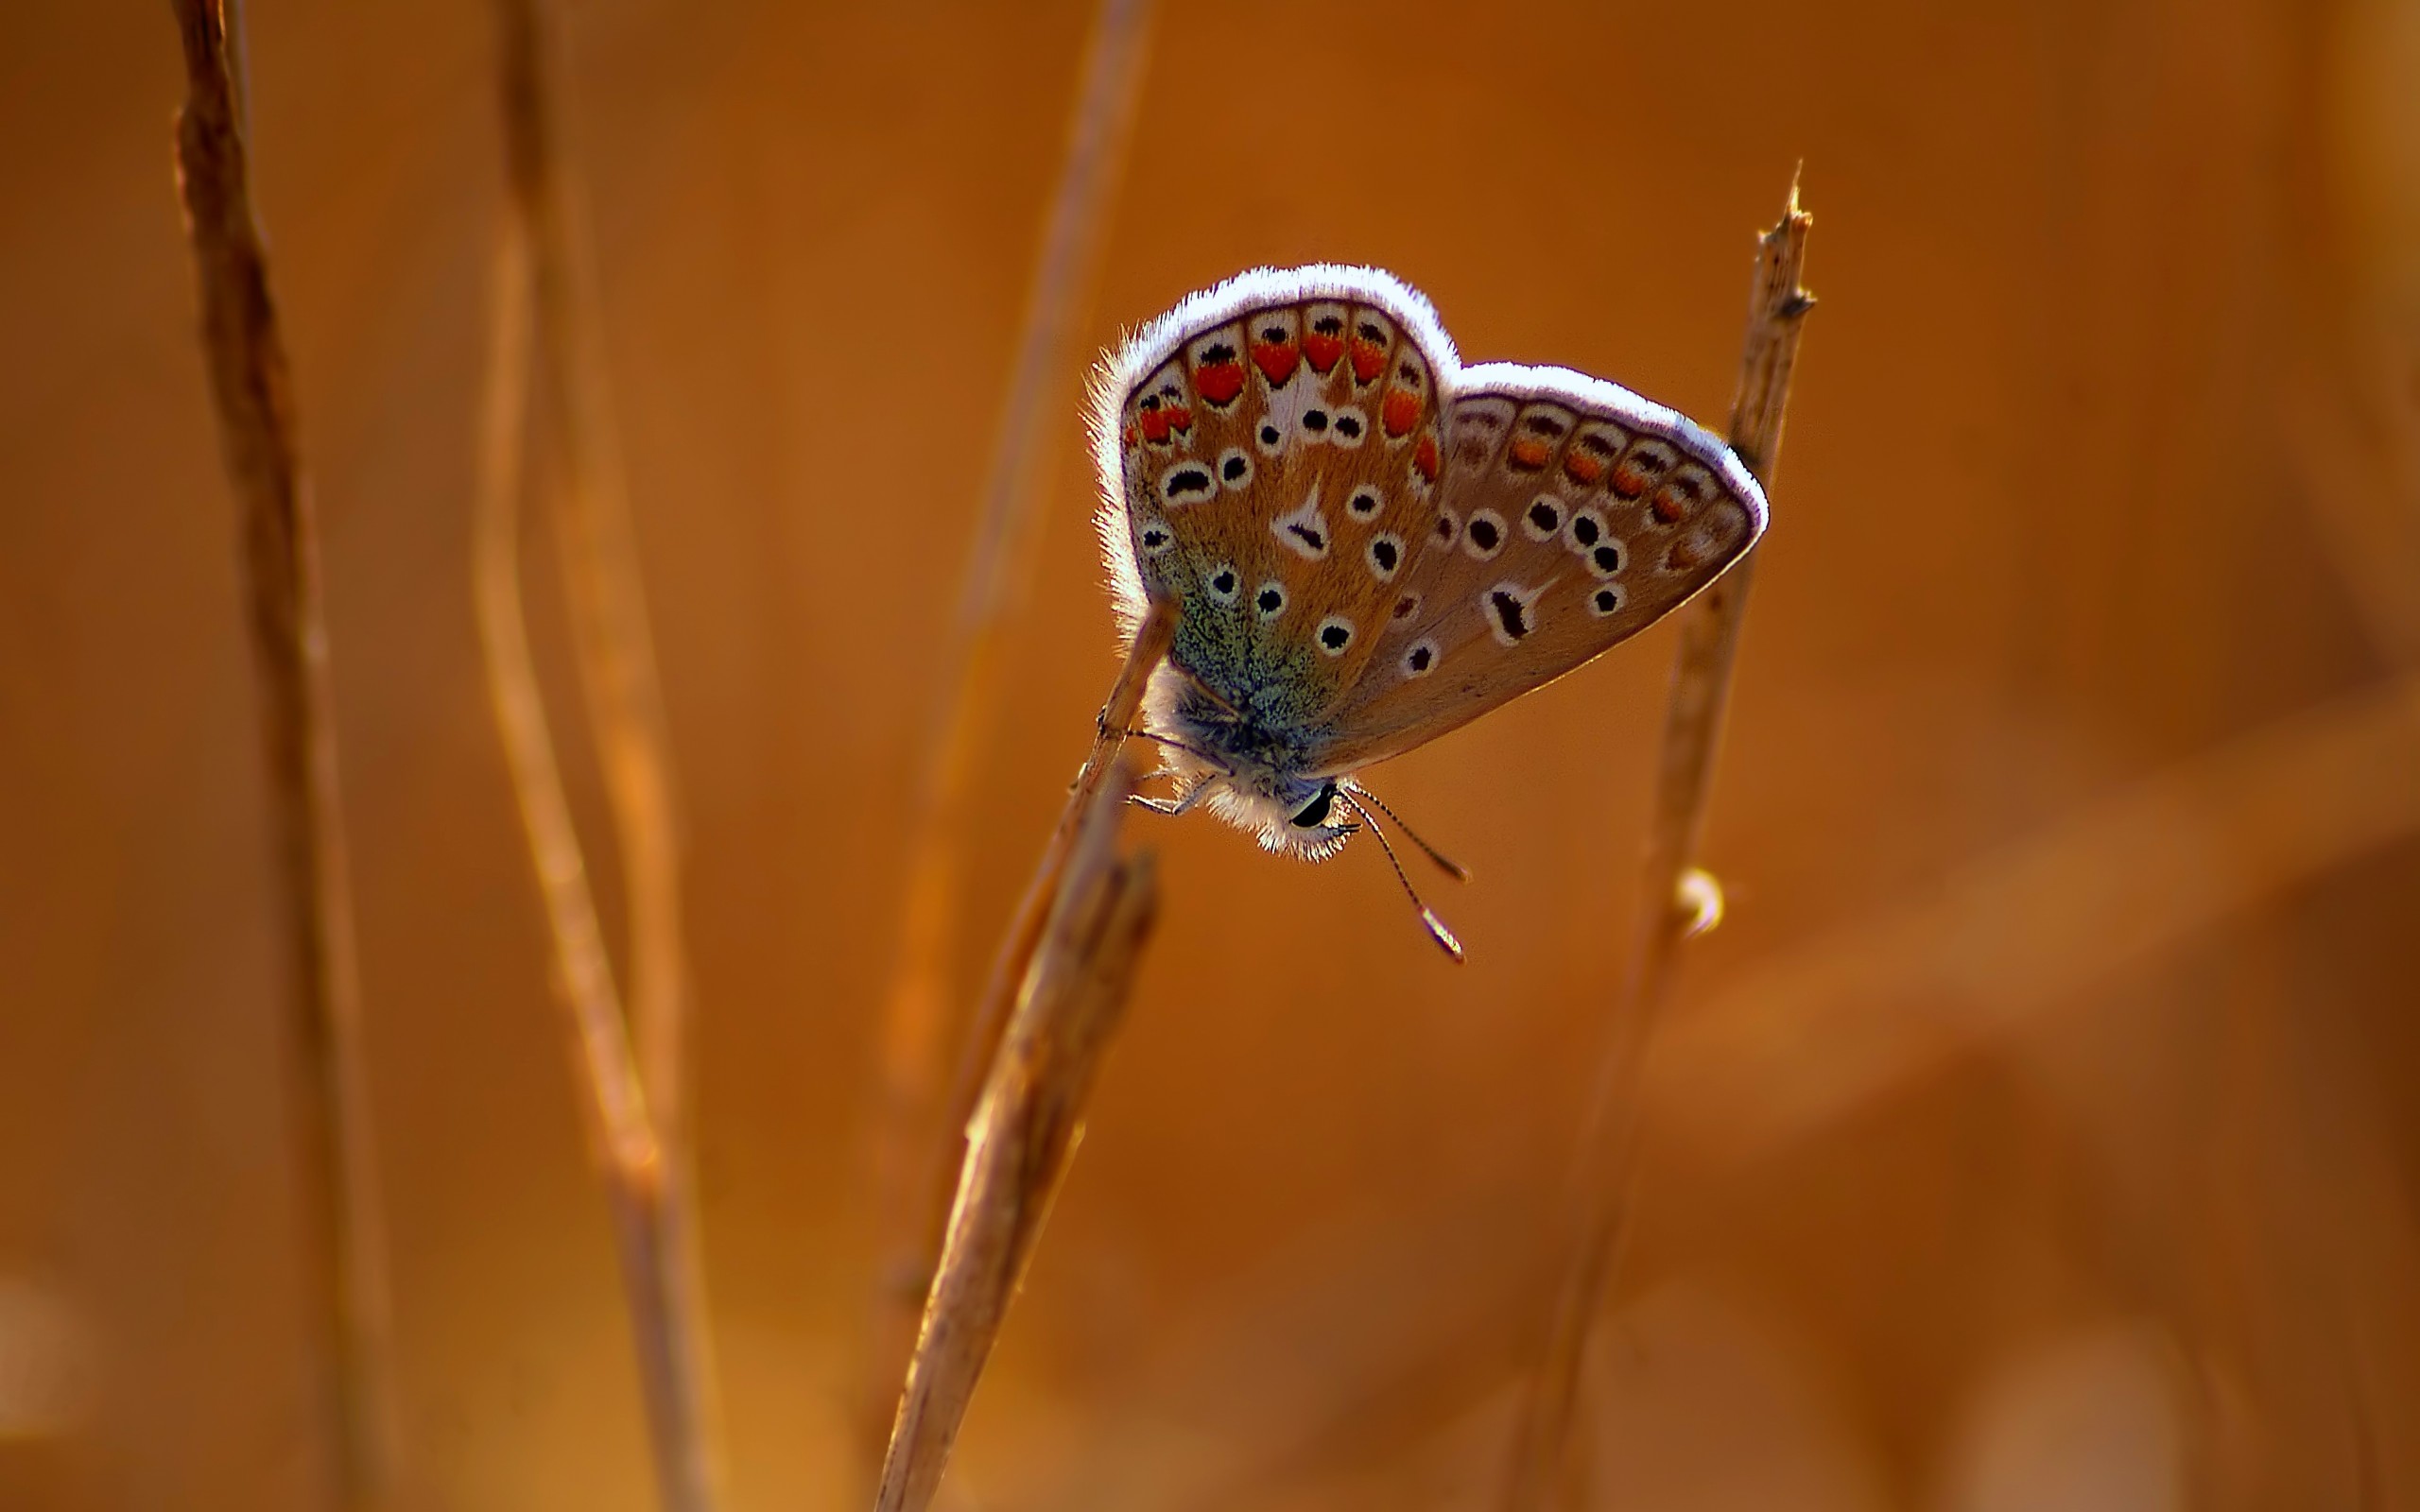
(1437, 930)
(1445, 863)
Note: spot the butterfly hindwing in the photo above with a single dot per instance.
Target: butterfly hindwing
(1275, 444)
(1572, 515)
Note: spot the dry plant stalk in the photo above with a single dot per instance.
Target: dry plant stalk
(1151, 644)
(634, 1105)
(1075, 994)
(345, 1265)
(1669, 912)
(910, 1150)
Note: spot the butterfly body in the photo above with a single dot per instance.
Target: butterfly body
(1370, 543)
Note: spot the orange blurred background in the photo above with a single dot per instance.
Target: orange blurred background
(2038, 1131)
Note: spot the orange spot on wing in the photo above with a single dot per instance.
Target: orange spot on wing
(1219, 381)
(1125, 436)
(1528, 452)
(1323, 351)
(1424, 456)
(1583, 468)
(1276, 361)
(1630, 482)
(1670, 506)
(1369, 360)
(1155, 425)
(1180, 417)
(1400, 412)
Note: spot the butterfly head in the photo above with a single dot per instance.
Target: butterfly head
(1291, 815)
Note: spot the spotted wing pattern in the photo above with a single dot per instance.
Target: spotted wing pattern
(1271, 450)
(1572, 514)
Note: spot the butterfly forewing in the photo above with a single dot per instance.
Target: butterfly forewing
(1573, 514)
(1276, 447)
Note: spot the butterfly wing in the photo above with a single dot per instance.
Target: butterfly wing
(1270, 453)
(1572, 515)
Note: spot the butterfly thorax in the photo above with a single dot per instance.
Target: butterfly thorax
(1246, 758)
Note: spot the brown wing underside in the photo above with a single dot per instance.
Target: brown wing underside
(1572, 517)
(1279, 471)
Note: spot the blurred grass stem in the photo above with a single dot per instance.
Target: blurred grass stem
(344, 1264)
(635, 1104)
(913, 1148)
(1668, 912)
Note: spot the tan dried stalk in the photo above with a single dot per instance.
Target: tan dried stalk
(1152, 639)
(344, 1264)
(911, 1148)
(1668, 912)
(615, 650)
(1018, 1145)
(634, 1106)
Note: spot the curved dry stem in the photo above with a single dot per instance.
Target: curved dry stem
(1667, 913)
(636, 1105)
(345, 1263)
(914, 1040)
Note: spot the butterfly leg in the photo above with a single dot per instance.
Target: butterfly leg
(1212, 757)
(1172, 807)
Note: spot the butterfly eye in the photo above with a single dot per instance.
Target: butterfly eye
(1349, 427)
(1271, 440)
(1156, 538)
(1269, 601)
(1314, 421)
(1405, 607)
(1336, 633)
(1223, 584)
(1605, 600)
(1587, 527)
(1420, 659)
(1235, 469)
(1606, 560)
(1365, 504)
(1315, 811)
(1543, 517)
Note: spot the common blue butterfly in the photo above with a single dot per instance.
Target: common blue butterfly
(1371, 545)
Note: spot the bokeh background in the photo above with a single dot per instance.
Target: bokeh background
(2038, 1132)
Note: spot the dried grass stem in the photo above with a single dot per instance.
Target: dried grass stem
(1692, 735)
(633, 1105)
(344, 1266)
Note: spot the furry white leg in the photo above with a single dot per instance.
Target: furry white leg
(1171, 807)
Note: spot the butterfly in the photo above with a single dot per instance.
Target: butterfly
(1370, 544)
